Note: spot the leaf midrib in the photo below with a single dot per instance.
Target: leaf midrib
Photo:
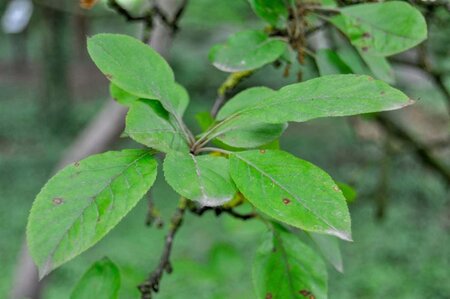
(287, 191)
(69, 227)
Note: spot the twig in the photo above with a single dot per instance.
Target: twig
(153, 214)
(147, 17)
(422, 152)
(151, 285)
(119, 9)
(213, 149)
(322, 10)
(173, 24)
(227, 86)
(199, 211)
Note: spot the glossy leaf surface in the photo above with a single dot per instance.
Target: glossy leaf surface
(292, 191)
(285, 268)
(204, 178)
(83, 202)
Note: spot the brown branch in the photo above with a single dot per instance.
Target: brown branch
(151, 285)
(199, 211)
(147, 17)
(436, 76)
(119, 9)
(421, 150)
(153, 214)
(230, 83)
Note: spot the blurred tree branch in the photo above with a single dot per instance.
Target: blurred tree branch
(420, 149)
(424, 66)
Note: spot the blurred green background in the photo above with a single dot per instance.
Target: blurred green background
(49, 90)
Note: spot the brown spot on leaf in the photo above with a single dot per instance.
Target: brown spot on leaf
(269, 296)
(370, 78)
(312, 297)
(336, 188)
(365, 49)
(76, 164)
(383, 92)
(305, 292)
(366, 35)
(262, 151)
(57, 200)
(286, 201)
(109, 76)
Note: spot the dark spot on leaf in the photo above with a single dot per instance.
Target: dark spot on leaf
(286, 201)
(57, 200)
(305, 292)
(383, 92)
(269, 296)
(76, 164)
(274, 249)
(109, 76)
(366, 35)
(365, 49)
(262, 151)
(312, 297)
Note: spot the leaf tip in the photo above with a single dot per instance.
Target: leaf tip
(339, 267)
(45, 269)
(344, 235)
(410, 102)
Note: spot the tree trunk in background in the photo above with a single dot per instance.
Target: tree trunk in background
(81, 31)
(55, 92)
(98, 136)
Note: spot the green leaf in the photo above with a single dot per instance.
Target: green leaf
(245, 99)
(121, 96)
(328, 3)
(205, 178)
(274, 12)
(285, 268)
(246, 50)
(136, 68)
(382, 28)
(329, 247)
(204, 120)
(181, 98)
(379, 66)
(292, 191)
(101, 281)
(350, 57)
(83, 202)
(348, 191)
(148, 123)
(333, 95)
(329, 63)
(255, 134)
